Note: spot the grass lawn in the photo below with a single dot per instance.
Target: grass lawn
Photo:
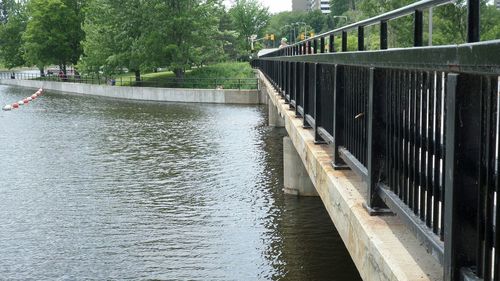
(230, 75)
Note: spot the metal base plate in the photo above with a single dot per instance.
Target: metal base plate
(340, 167)
(378, 211)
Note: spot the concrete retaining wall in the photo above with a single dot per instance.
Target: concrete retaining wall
(145, 93)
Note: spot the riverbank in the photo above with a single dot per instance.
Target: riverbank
(220, 96)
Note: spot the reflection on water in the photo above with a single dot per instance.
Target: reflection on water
(102, 189)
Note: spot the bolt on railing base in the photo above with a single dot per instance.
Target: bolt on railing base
(378, 211)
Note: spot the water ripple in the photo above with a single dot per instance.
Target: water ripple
(96, 189)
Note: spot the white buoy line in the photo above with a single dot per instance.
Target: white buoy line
(25, 101)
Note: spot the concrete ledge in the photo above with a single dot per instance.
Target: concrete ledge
(145, 93)
(382, 248)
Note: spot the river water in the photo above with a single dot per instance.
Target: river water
(97, 189)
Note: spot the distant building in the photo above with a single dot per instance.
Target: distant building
(323, 5)
(497, 4)
(311, 5)
(301, 5)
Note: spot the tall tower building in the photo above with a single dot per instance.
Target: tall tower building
(301, 5)
(311, 5)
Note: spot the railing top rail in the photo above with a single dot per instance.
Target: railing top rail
(480, 58)
(403, 11)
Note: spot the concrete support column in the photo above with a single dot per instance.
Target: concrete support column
(296, 181)
(275, 120)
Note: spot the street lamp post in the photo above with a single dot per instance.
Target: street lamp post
(305, 27)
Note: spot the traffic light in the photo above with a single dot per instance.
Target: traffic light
(272, 37)
(302, 36)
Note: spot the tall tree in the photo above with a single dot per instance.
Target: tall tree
(249, 18)
(144, 35)
(53, 33)
(115, 35)
(187, 33)
(11, 30)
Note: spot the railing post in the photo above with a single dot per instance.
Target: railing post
(309, 47)
(361, 38)
(383, 35)
(331, 43)
(322, 45)
(418, 34)
(377, 99)
(338, 117)
(315, 46)
(473, 21)
(344, 41)
(317, 102)
(461, 173)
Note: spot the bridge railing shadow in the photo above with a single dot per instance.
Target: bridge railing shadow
(420, 125)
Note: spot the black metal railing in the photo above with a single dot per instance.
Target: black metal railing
(201, 83)
(421, 126)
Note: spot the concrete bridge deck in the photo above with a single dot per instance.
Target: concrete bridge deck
(382, 247)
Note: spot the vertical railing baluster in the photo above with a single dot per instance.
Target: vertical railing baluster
(344, 41)
(331, 43)
(377, 96)
(338, 116)
(473, 20)
(418, 34)
(318, 112)
(383, 35)
(463, 147)
(322, 45)
(361, 38)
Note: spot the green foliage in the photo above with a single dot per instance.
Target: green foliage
(144, 35)
(11, 30)
(114, 35)
(339, 7)
(53, 32)
(184, 33)
(225, 75)
(249, 17)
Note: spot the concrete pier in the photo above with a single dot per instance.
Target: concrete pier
(296, 179)
(275, 119)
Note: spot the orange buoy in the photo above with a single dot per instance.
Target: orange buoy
(25, 101)
(33, 96)
(15, 105)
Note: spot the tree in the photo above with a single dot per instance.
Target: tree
(115, 36)
(53, 33)
(339, 7)
(187, 33)
(145, 35)
(249, 17)
(11, 30)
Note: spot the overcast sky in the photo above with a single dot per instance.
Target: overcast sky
(275, 6)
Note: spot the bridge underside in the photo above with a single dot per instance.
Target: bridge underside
(381, 247)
